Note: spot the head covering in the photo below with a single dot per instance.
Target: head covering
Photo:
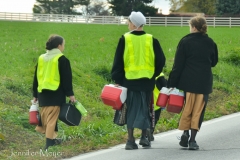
(137, 18)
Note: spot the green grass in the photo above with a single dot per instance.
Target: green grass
(91, 49)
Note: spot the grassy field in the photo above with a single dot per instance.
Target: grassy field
(90, 49)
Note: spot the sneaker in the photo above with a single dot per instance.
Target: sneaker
(131, 145)
(184, 140)
(193, 145)
(144, 142)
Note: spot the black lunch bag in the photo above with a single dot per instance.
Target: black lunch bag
(69, 114)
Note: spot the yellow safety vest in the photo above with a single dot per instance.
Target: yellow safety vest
(139, 57)
(156, 93)
(48, 74)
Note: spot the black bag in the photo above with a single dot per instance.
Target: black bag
(69, 114)
(120, 117)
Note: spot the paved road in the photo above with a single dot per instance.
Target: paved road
(219, 139)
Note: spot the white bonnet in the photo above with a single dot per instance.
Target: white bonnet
(137, 18)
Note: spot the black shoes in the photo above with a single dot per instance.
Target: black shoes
(144, 142)
(185, 143)
(184, 140)
(52, 142)
(131, 145)
(193, 145)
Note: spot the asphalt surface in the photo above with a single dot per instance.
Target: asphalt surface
(218, 139)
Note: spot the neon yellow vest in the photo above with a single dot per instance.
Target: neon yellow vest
(139, 60)
(156, 93)
(48, 74)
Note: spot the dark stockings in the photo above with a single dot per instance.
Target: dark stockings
(130, 135)
(144, 133)
(193, 135)
(186, 132)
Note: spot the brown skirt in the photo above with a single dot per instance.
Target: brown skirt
(49, 116)
(192, 111)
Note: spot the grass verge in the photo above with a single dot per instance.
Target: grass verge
(90, 49)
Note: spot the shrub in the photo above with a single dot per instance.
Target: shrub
(233, 56)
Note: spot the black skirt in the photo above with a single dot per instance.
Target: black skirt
(138, 113)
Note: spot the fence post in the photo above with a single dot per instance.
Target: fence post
(181, 21)
(165, 21)
(149, 21)
(230, 22)
(214, 22)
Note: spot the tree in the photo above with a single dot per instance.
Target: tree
(228, 7)
(94, 7)
(99, 8)
(204, 6)
(58, 6)
(43, 6)
(147, 10)
(84, 5)
(125, 7)
(175, 4)
(37, 9)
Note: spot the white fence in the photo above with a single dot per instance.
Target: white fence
(118, 20)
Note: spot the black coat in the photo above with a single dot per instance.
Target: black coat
(143, 84)
(195, 56)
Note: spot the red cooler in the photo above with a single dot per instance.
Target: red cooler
(163, 97)
(114, 96)
(176, 101)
